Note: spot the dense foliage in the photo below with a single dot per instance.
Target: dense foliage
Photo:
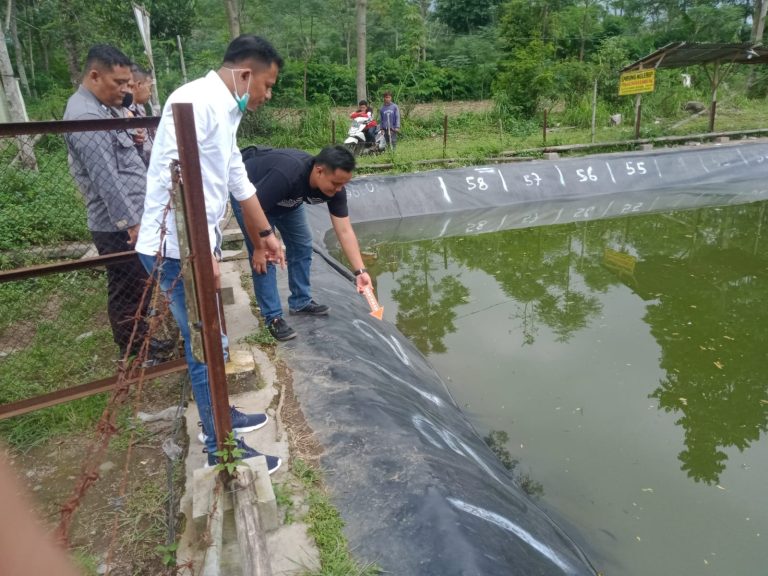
(527, 54)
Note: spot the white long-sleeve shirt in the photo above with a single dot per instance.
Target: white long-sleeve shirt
(217, 118)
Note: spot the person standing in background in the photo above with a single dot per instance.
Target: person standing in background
(112, 178)
(142, 92)
(389, 116)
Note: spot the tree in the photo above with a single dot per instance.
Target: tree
(15, 104)
(465, 16)
(233, 17)
(343, 10)
(758, 21)
(17, 48)
(362, 49)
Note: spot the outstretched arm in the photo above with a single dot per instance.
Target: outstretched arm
(348, 240)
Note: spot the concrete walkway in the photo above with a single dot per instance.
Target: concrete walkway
(253, 388)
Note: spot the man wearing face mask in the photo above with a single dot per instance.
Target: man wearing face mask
(243, 82)
(112, 178)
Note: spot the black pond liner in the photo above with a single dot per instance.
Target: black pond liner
(419, 491)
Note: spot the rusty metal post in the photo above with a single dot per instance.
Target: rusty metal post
(196, 228)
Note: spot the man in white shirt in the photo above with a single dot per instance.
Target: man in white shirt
(243, 82)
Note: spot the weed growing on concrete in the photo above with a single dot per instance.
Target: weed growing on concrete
(325, 526)
(230, 457)
(284, 498)
(261, 337)
(167, 553)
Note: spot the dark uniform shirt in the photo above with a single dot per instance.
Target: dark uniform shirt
(106, 166)
(281, 177)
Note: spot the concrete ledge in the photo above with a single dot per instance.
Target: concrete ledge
(204, 482)
(240, 362)
(232, 235)
(266, 503)
(227, 295)
(229, 255)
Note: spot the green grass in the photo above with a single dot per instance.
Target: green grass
(56, 336)
(39, 208)
(261, 337)
(475, 135)
(325, 526)
(284, 499)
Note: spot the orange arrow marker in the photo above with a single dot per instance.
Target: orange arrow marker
(376, 310)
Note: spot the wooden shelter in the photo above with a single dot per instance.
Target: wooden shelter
(716, 59)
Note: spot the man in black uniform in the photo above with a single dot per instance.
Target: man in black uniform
(285, 180)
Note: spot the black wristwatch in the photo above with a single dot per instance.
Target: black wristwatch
(360, 271)
(265, 233)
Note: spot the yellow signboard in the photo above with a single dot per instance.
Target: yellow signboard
(637, 82)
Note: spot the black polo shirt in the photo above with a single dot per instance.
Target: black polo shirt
(281, 177)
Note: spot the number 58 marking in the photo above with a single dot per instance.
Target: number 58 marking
(476, 182)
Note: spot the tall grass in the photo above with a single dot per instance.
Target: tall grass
(61, 339)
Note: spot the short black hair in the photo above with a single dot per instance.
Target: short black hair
(362, 102)
(336, 157)
(105, 56)
(250, 47)
(140, 72)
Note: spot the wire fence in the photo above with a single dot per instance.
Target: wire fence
(71, 290)
(79, 314)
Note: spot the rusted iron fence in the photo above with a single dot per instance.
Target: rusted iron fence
(56, 339)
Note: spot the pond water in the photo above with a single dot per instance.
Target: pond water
(625, 360)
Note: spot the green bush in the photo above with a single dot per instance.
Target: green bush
(40, 208)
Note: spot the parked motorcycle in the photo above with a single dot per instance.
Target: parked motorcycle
(357, 142)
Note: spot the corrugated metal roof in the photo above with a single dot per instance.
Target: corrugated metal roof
(678, 54)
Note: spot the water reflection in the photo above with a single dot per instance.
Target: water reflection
(701, 273)
(427, 305)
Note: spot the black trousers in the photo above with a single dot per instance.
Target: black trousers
(125, 286)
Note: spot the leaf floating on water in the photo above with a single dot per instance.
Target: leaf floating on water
(729, 338)
(647, 490)
(638, 538)
(693, 306)
(683, 401)
(763, 401)
(720, 487)
(719, 364)
(706, 562)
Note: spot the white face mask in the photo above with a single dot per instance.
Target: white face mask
(242, 101)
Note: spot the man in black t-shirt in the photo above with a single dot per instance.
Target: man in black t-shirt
(285, 180)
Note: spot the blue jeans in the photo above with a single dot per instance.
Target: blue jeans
(297, 238)
(168, 272)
